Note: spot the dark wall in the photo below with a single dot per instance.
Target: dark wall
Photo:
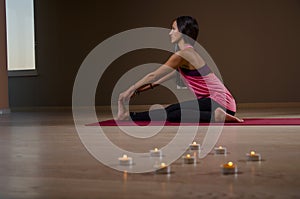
(255, 45)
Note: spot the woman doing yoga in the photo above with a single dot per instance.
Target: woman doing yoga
(213, 100)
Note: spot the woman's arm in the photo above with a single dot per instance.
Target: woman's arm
(165, 78)
(172, 63)
(156, 83)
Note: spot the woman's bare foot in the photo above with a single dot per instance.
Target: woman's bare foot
(222, 116)
(123, 114)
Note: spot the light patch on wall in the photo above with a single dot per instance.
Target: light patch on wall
(20, 35)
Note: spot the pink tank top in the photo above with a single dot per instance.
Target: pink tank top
(205, 84)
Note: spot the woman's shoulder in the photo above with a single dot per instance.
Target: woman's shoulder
(193, 59)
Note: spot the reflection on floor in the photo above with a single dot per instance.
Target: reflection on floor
(42, 156)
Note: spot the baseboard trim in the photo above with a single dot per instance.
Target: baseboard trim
(269, 105)
(146, 107)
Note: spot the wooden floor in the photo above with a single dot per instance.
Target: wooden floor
(41, 156)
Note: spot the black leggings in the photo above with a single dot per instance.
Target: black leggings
(185, 111)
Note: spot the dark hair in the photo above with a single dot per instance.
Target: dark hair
(188, 26)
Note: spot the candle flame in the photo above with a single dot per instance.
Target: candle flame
(230, 164)
(252, 153)
(220, 147)
(188, 155)
(124, 156)
(162, 165)
(194, 143)
(156, 149)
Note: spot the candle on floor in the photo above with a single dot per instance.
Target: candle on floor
(125, 160)
(155, 153)
(162, 168)
(188, 159)
(220, 150)
(195, 146)
(252, 156)
(229, 168)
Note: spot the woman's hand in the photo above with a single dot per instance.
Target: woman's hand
(126, 95)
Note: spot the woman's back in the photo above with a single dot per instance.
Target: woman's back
(193, 59)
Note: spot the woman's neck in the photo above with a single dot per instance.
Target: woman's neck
(183, 45)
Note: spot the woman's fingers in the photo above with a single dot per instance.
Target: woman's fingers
(125, 96)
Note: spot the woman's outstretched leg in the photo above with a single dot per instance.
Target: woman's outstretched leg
(152, 115)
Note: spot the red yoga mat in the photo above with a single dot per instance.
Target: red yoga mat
(247, 122)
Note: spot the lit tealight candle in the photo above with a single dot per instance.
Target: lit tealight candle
(229, 168)
(162, 168)
(125, 160)
(195, 146)
(155, 153)
(252, 156)
(188, 159)
(220, 150)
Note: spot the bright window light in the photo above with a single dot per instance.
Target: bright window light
(20, 35)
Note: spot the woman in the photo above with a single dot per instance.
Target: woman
(214, 102)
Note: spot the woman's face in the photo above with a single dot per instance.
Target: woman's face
(174, 33)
